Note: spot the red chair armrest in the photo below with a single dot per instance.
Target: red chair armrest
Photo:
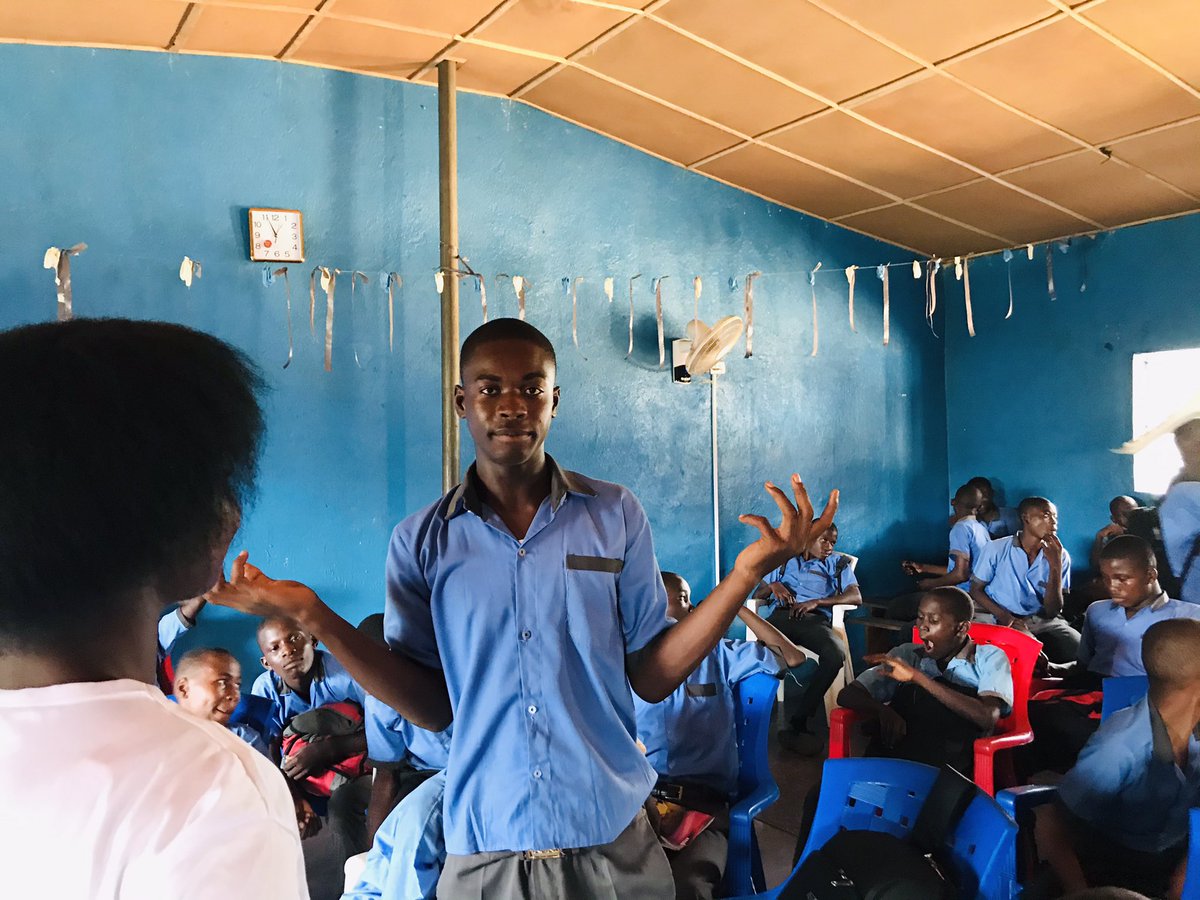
(985, 757)
(841, 724)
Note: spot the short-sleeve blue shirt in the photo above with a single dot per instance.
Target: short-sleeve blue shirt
(981, 668)
(250, 735)
(812, 579)
(1179, 517)
(532, 636)
(392, 738)
(1111, 642)
(1012, 580)
(692, 735)
(330, 684)
(968, 537)
(1127, 785)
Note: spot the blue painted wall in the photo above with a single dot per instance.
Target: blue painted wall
(148, 157)
(1038, 401)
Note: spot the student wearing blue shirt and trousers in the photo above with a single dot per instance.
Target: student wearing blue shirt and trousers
(1121, 816)
(1000, 521)
(1179, 514)
(524, 605)
(1021, 579)
(691, 738)
(968, 538)
(802, 593)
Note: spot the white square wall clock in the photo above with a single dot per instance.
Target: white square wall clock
(277, 235)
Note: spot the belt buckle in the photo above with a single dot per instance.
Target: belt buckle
(553, 853)
(672, 792)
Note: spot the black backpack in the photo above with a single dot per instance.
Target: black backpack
(873, 865)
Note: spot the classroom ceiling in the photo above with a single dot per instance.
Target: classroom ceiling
(945, 127)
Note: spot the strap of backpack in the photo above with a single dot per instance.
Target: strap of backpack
(948, 799)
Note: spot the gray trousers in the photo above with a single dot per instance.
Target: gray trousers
(632, 867)
(699, 867)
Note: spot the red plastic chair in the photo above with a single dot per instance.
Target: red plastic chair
(1013, 730)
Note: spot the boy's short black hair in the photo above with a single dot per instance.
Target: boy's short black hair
(1031, 503)
(127, 450)
(965, 490)
(672, 578)
(282, 621)
(984, 484)
(197, 656)
(1132, 548)
(1116, 502)
(503, 330)
(1171, 652)
(955, 601)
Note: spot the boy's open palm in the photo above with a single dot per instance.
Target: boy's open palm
(248, 590)
(777, 544)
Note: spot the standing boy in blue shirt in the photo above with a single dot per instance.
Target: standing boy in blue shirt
(524, 605)
(691, 737)
(1122, 813)
(1180, 514)
(802, 594)
(1021, 579)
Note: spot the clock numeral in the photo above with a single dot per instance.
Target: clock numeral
(295, 225)
(257, 245)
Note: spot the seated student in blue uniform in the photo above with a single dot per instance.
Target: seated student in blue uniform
(525, 604)
(300, 678)
(1000, 521)
(1179, 514)
(409, 850)
(1111, 645)
(968, 537)
(208, 684)
(402, 756)
(1020, 580)
(691, 738)
(933, 699)
(801, 595)
(1121, 815)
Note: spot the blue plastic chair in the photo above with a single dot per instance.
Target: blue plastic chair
(755, 699)
(1122, 692)
(870, 794)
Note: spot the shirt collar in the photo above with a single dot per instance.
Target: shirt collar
(1154, 605)
(967, 652)
(318, 674)
(1161, 746)
(466, 496)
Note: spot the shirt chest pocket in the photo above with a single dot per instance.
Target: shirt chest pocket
(591, 598)
(702, 690)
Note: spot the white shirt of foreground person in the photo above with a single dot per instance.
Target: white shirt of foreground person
(111, 792)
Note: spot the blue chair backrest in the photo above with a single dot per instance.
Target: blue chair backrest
(755, 697)
(869, 794)
(1191, 882)
(1122, 692)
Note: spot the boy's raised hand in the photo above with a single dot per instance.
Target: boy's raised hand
(248, 590)
(776, 545)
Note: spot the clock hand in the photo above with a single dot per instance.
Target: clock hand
(274, 230)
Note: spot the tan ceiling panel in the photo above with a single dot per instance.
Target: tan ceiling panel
(923, 232)
(1101, 189)
(559, 28)
(848, 145)
(1001, 210)
(791, 182)
(493, 71)
(1069, 76)
(955, 120)
(227, 29)
(304, 6)
(1172, 154)
(731, 94)
(442, 16)
(366, 48)
(795, 40)
(132, 23)
(938, 29)
(611, 110)
(1154, 28)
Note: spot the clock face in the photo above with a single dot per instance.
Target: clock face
(277, 235)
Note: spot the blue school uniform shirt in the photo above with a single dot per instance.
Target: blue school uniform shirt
(330, 684)
(532, 637)
(1111, 642)
(170, 627)
(409, 850)
(969, 537)
(812, 579)
(1012, 581)
(251, 736)
(391, 738)
(692, 734)
(1179, 518)
(1005, 524)
(981, 668)
(1127, 785)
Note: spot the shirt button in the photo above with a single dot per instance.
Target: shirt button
(526, 634)
(532, 710)
(521, 552)
(537, 773)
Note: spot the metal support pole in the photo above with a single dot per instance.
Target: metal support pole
(715, 488)
(448, 196)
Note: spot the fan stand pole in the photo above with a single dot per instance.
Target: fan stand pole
(716, 498)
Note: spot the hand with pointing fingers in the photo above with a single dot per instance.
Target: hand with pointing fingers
(777, 544)
(248, 590)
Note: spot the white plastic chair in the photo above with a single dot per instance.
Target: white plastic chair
(846, 676)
